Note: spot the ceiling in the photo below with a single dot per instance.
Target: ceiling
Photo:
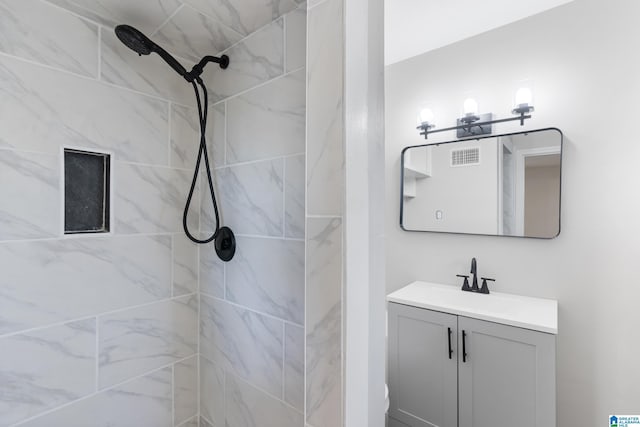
(190, 29)
(413, 27)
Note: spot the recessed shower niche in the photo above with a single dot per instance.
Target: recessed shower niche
(86, 192)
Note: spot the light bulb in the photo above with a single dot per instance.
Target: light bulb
(470, 107)
(524, 97)
(425, 116)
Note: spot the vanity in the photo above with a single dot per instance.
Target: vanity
(471, 360)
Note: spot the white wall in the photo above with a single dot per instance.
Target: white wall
(364, 214)
(581, 59)
(467, 196)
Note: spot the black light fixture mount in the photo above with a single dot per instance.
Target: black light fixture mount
(474, 125)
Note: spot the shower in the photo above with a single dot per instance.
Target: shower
(223, 237)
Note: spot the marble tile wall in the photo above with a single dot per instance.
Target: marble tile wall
(325, 179)
(139, 327)
(252, 309)
(95, 330)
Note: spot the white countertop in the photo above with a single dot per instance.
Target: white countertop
(524, 312)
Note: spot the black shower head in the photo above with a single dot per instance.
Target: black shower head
(142, 45)
(134, 39)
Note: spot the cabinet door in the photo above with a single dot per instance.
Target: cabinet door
(507, 377)
(423, 377)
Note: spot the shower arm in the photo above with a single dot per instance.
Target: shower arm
(197, 69)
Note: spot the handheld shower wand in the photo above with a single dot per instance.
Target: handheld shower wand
(225, 242)
(142, 45)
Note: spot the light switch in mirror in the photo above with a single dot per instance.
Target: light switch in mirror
(504, 185)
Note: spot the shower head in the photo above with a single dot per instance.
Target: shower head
(134, 39)
(142, 45)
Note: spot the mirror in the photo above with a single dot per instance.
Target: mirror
(505, 185)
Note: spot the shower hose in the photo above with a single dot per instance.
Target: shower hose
(202, 152)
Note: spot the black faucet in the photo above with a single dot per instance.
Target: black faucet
(474, 286)
(474, 271)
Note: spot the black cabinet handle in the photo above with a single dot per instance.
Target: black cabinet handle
(464, 347)
(450, 350)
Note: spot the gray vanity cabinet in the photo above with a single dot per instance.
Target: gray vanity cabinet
(507, 377)
(423, 374)
(496, 376)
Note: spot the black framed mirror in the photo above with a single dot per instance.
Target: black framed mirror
(498, 185)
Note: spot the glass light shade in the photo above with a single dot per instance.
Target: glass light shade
(470, 107)
(524, 97)
(425, 116)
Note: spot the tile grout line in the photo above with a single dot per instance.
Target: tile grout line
(225, 375)
(248, 36)
(97, 316)
(90, 236)
(101, 150)
(320, 2)
(306, 217)
(172, 265)
(173, 394)
(97, 362)
(90, 78)
(251, 310)
(216, 20)
(258, 236)
(189, 420)
(284, 197)
(99, 77)
(106, 389)
(259, 85)
(225, 141)
(208, 420)
(199, 329)
(252, 385)
(75, 14)
(263, 160)
(102, 25)
(284, 42)
(167, 20)
(170, 134)
(224, 281)
(284, 358)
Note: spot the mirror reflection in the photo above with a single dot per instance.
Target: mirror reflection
(505, 185)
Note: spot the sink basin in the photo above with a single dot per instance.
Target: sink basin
(525, 312)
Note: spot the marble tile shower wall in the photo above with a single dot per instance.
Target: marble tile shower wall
(252, 309)
(97, 330)
(104, 330)
(325, 179)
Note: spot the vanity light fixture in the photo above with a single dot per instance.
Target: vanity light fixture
(425, 120)
(475, 124)
(524, 103)
(470, 110)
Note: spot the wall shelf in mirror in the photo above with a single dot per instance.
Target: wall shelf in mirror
(414, 168)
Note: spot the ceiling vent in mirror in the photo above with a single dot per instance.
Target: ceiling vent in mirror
(465, 156)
